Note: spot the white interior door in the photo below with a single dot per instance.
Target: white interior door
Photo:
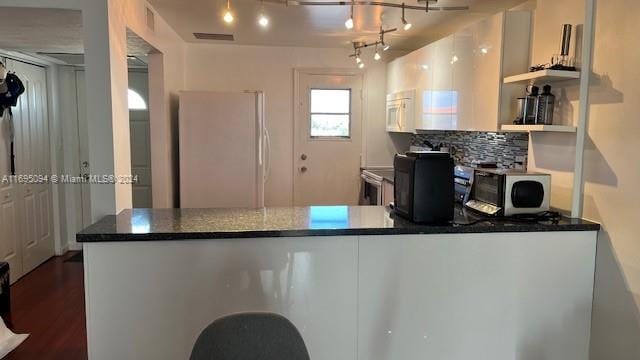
(10, 233)
(33, 158)
(140, 142)
(83, 190)
(328, 139)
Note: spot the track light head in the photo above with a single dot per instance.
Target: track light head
(228, 17)
(407, 25)
(228, 14)
(349, 23)
(263, 20)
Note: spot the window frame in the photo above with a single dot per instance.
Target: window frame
(350, 114)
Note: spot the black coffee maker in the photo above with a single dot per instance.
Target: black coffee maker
(423, 187)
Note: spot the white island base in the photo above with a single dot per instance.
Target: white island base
(494, 296)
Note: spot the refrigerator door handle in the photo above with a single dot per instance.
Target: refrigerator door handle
(267, 154)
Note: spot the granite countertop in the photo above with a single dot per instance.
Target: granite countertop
(184, 224)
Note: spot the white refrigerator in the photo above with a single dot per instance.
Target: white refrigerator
(224, 149)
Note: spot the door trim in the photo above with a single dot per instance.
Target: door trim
(297, 72)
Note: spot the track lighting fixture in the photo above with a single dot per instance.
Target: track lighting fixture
(384, 45)
(228, 15)
(407, 25)
(349, 23)
(358, 46)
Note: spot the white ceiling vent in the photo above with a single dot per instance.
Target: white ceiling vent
(151, 21)
(209, 36)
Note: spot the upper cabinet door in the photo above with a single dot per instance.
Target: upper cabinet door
(439, 105)
(462, 62)
(424, 76)
(487, 72)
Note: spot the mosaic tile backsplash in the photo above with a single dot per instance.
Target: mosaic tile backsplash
(507, 150)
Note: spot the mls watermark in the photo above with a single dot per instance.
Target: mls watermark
(69, 179)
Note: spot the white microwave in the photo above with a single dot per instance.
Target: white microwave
(400, 115)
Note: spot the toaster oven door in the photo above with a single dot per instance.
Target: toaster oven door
(487, 193)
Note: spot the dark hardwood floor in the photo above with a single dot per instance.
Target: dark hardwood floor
(48, 303)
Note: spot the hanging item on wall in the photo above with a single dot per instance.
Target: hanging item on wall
(11, 87)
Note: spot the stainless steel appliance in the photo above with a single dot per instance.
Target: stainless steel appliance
(424, 187)
(509, 192)
(371, 190)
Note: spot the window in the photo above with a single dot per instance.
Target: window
(136, 102)
(330, 113)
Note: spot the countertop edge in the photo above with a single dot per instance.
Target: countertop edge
(430, 230)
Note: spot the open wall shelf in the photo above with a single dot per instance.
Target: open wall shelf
(543, 76)
(540, 128)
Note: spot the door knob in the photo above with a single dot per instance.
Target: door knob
(303, 156)
(303, 169)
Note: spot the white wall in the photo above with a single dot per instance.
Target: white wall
(270, 69)
(612, 175)
(168, 79)
(612, 169)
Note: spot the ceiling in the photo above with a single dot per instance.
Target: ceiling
(41, 30)
(36, 30)
(321, 26)
(57, 34)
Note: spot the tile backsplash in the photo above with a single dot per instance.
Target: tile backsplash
(507, 150)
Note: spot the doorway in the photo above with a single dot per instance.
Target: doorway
(139, 131)
(327, 137)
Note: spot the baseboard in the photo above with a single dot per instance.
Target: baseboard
(74, 247)
(62, 251)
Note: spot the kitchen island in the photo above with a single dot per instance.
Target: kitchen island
(356, 281)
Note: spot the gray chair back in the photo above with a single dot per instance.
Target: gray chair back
(250, 336)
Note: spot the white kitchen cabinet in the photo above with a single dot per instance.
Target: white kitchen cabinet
(458, 79)
(477, 296)
(439, 98)
(463, 94)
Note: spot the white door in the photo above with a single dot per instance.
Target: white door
(10, 233)
(328, 139)
(83, 190)
(33, 158)
(140, 142)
